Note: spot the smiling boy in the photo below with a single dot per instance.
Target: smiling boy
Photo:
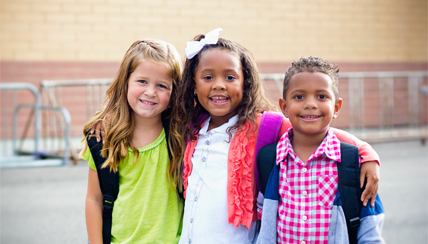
(309, 209)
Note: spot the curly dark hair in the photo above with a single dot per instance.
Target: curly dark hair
(312, 64)
(187, 111)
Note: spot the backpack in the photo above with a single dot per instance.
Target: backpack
(109, 181)
(348, 181)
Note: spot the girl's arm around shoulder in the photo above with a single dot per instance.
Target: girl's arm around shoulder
(285, 125)
(94, 208)
(367, 153)
(369, 168)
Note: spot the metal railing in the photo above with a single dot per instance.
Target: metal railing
(95, 92)
(12, 154)
(386, 128)
(54, 93)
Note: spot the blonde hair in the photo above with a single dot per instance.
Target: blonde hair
(120, 126)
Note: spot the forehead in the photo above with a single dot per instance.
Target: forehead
(217, 57)
(158, 70)
(310, 81)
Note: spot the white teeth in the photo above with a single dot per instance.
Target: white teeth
(221, 99)
(145, 102)
(310, 117)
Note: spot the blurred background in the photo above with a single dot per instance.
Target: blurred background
(58, 57)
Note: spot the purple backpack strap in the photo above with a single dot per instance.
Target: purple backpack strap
(269, 127)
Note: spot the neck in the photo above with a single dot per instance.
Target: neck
(304, 145)
(217, 121)
(146, 132)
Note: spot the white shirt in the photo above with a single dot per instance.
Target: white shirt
(205, 209)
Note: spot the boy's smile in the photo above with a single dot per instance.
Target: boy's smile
(310, 103)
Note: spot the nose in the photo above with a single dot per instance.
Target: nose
(150, 91)
(310, 103)
(219, 84)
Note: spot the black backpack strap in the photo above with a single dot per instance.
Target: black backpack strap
(165, 124)
(109, 185)
(266, 159)
(349, 187)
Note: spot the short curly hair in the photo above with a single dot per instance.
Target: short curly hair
(312, 64)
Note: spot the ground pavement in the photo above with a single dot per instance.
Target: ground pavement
(46, 205)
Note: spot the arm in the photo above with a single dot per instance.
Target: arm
(285, 125)
(372, 219)
(367, 153)
(94, 208)
(369, 168)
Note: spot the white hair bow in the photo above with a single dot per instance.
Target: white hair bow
(194, 47)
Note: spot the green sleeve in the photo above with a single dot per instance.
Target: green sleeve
(88, 157)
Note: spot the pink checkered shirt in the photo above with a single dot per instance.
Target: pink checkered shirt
(307, 190)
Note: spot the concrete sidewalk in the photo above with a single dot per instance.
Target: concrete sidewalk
(46, 205)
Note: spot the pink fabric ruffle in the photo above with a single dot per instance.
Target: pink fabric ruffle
(241, 185)
(241, 180)
(190, 148)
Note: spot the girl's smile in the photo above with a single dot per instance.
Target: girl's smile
(149, 90)
(219, 84)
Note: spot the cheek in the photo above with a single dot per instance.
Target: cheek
(166, 97)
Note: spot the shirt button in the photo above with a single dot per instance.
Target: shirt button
(207, 142)
(304, 193)
(204, 159)
(191, 220)
(304, 217)
(190, 240)
(303, 242)
(196, 198)
(304, 170)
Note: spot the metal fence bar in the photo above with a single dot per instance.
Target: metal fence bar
(385, 82)
(32, 89)
(414, 97)
(347, 75)
(356, 102)
(67, 120)
(386, 98)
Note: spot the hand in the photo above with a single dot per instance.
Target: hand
(371, 171)
(98, 129)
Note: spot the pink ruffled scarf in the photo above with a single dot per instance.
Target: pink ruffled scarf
(241, 182)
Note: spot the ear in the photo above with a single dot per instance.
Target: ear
(283, 106)
(337, 107)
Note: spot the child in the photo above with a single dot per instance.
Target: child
(215, 122)
(148, 208)
(309, 210)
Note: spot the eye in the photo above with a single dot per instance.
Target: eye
(298, 97)
(142, 81)
(208, 77)
(230, 77)
(322, 97)
(162, 86)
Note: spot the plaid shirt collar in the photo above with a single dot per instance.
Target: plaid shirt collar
(329, 147)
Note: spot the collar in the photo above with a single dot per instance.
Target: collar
(329, 147)
(221, 129)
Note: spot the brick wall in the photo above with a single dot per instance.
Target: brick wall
(275, 31)
(76, 39)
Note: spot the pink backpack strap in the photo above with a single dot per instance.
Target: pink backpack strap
(269, 127)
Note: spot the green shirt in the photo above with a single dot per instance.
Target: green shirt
(148, 208)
